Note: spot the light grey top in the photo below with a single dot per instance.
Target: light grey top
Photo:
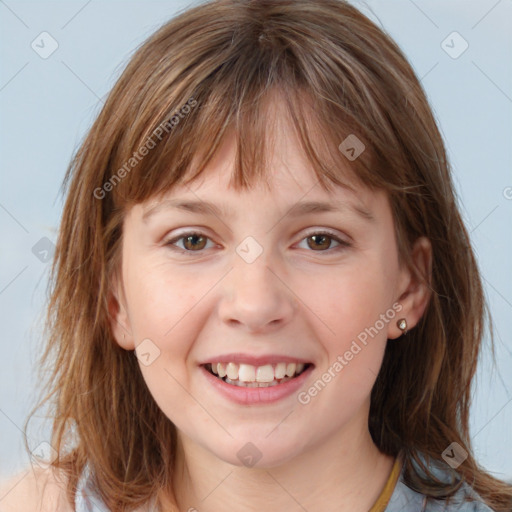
(403, 499)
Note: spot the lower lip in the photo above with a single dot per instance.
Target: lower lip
(249, 396)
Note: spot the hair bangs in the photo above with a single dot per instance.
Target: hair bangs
(184, 154)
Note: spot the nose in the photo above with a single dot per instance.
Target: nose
(255, 297)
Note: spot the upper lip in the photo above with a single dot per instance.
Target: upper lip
(240, 358)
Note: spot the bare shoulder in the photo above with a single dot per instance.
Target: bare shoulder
(35, 489)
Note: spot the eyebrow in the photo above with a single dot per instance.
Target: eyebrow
(298, 209)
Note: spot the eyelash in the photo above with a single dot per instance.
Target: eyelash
(343, 244)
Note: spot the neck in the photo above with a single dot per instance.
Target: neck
(346, 469)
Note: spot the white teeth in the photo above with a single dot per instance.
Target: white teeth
(247, 373)
(280, 370)
(290, 369)
(232, 371)
(265, 373)
(221, 369)
(253, 376)
(242, 384)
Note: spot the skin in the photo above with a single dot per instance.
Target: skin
(296, 299)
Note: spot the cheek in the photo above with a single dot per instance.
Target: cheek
(354, 342)
(160, 301)
(350, 305)
(351, 299)
(162, 311)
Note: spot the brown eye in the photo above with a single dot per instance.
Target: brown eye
(324, 241)
(320, 241)
(193, 242)
(189, 242)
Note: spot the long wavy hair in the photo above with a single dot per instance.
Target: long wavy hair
(208, 71)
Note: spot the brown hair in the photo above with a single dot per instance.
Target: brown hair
(209, 70)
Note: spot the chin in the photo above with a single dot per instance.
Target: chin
(257, 452)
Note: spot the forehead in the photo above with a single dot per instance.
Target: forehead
(281, 142)
(293, 192)
(290, 180)
(286, 171)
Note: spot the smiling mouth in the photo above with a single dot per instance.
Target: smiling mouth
(249, 376)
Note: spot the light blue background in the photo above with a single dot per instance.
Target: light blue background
(48, 104)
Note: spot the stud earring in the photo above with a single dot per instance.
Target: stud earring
(402, 325)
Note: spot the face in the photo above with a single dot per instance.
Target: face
(258, 286)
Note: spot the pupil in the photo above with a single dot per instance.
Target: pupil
(191, 240)
(323, 238)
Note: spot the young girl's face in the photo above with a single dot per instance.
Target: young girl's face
(260, 286)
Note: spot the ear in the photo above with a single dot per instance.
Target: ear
(118, 315)
(414, 289)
